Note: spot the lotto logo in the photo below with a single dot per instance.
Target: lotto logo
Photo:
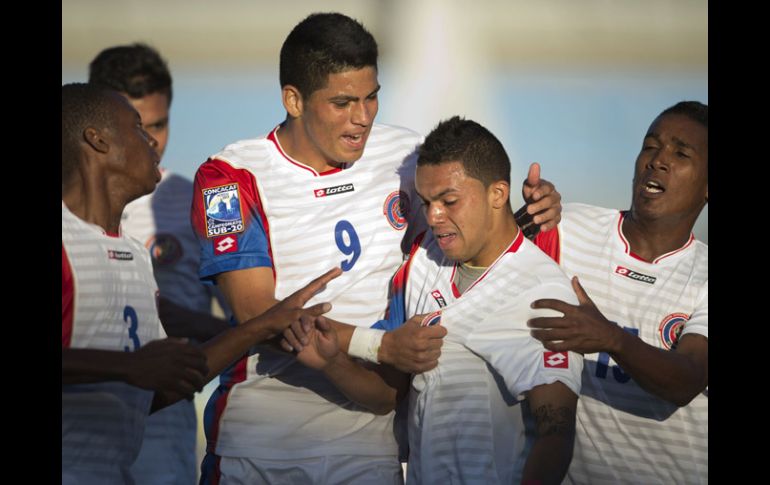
(634, 275)
(337, 189)
(439, 298)
(225, 244)
(558, 360)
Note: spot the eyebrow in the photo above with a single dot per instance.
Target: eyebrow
(343, 97)
(676, 140)
(439, 195)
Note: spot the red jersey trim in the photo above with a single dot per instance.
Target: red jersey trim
(550, 243)
(67, 299)
(636, 256)
(512, 248)
(274, 138)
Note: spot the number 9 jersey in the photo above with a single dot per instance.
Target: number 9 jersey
(254, 206)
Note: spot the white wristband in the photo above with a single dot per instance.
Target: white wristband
(365, 343)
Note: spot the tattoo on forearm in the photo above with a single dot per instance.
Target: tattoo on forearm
(550, 421)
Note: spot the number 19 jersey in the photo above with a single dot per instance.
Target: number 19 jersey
(253, 206)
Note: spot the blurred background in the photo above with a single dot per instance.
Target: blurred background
(572, 85)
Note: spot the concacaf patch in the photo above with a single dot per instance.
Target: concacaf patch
(395, 207)
(670, 328)
(223, 210)
(165, 249)
(431, 319)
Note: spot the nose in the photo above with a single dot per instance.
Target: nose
(152, 141)
(658, 161)
(434, 214)
(362, 113)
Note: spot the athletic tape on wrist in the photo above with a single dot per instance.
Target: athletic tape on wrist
(365, 343)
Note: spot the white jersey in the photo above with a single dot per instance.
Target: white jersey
(625, 434)
(255, 206)
(108, 303)
(465, 417)
(161, 221)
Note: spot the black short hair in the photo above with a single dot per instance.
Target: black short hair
(476, 148)
(137, 70)
(323, 44)
(695, 110)
(82, 106)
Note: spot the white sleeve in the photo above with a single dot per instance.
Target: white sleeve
(699, 320)
(503, 339)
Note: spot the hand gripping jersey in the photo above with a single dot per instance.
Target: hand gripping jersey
(161, 221)
(625, 434)
(465, 417)
(108, 303)
(255, 206)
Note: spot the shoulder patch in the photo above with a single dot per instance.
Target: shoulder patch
(222, 205)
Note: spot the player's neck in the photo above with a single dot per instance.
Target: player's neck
(502, 233)
(92, 203)
(296, 144)
(652, 238)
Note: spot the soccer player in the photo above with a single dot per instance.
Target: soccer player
(326, 187)
(642, 320)
(112, 360)
(160, 220)
(475, 273)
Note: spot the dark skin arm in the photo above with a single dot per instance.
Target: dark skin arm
(227, 347)
(676, 375)
(553, 407)
(182, 322)
(168, 364)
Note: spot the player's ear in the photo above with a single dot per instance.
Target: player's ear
(498, 193)
(94, 138)
(292, 100)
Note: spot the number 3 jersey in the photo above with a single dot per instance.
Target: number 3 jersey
(255, 206)
(625, 434)
(108, 303)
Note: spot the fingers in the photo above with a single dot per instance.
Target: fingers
(533, 177)
(318, 309)
(548, 322)
(544, 197)
(583, 297)
(434, 332)
(290, 341)
(553, 304)
(301, 296)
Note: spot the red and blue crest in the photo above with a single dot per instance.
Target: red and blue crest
(670, 328)
(395, 207)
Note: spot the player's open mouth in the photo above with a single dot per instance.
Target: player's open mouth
(444, 238)
(355, 141)
(653, 187)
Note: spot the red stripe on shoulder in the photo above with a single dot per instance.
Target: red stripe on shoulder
(67, 299)
(549, 243)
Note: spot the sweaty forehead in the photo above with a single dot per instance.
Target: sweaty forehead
(682, 128)
(434, 180)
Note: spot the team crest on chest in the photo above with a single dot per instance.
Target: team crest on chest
(164, 249)
(670, 328)
(395, 207)
(223, 210)
(431, 319)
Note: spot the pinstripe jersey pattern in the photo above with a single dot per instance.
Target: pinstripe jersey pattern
(113, 291)
(296, 223)
(624, 434)
(161, 221)
(465, 416)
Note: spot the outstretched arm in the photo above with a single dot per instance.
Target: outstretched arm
(377, 388)
(228, 346)
(676, 375)
(553, 408)
(179, 321)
